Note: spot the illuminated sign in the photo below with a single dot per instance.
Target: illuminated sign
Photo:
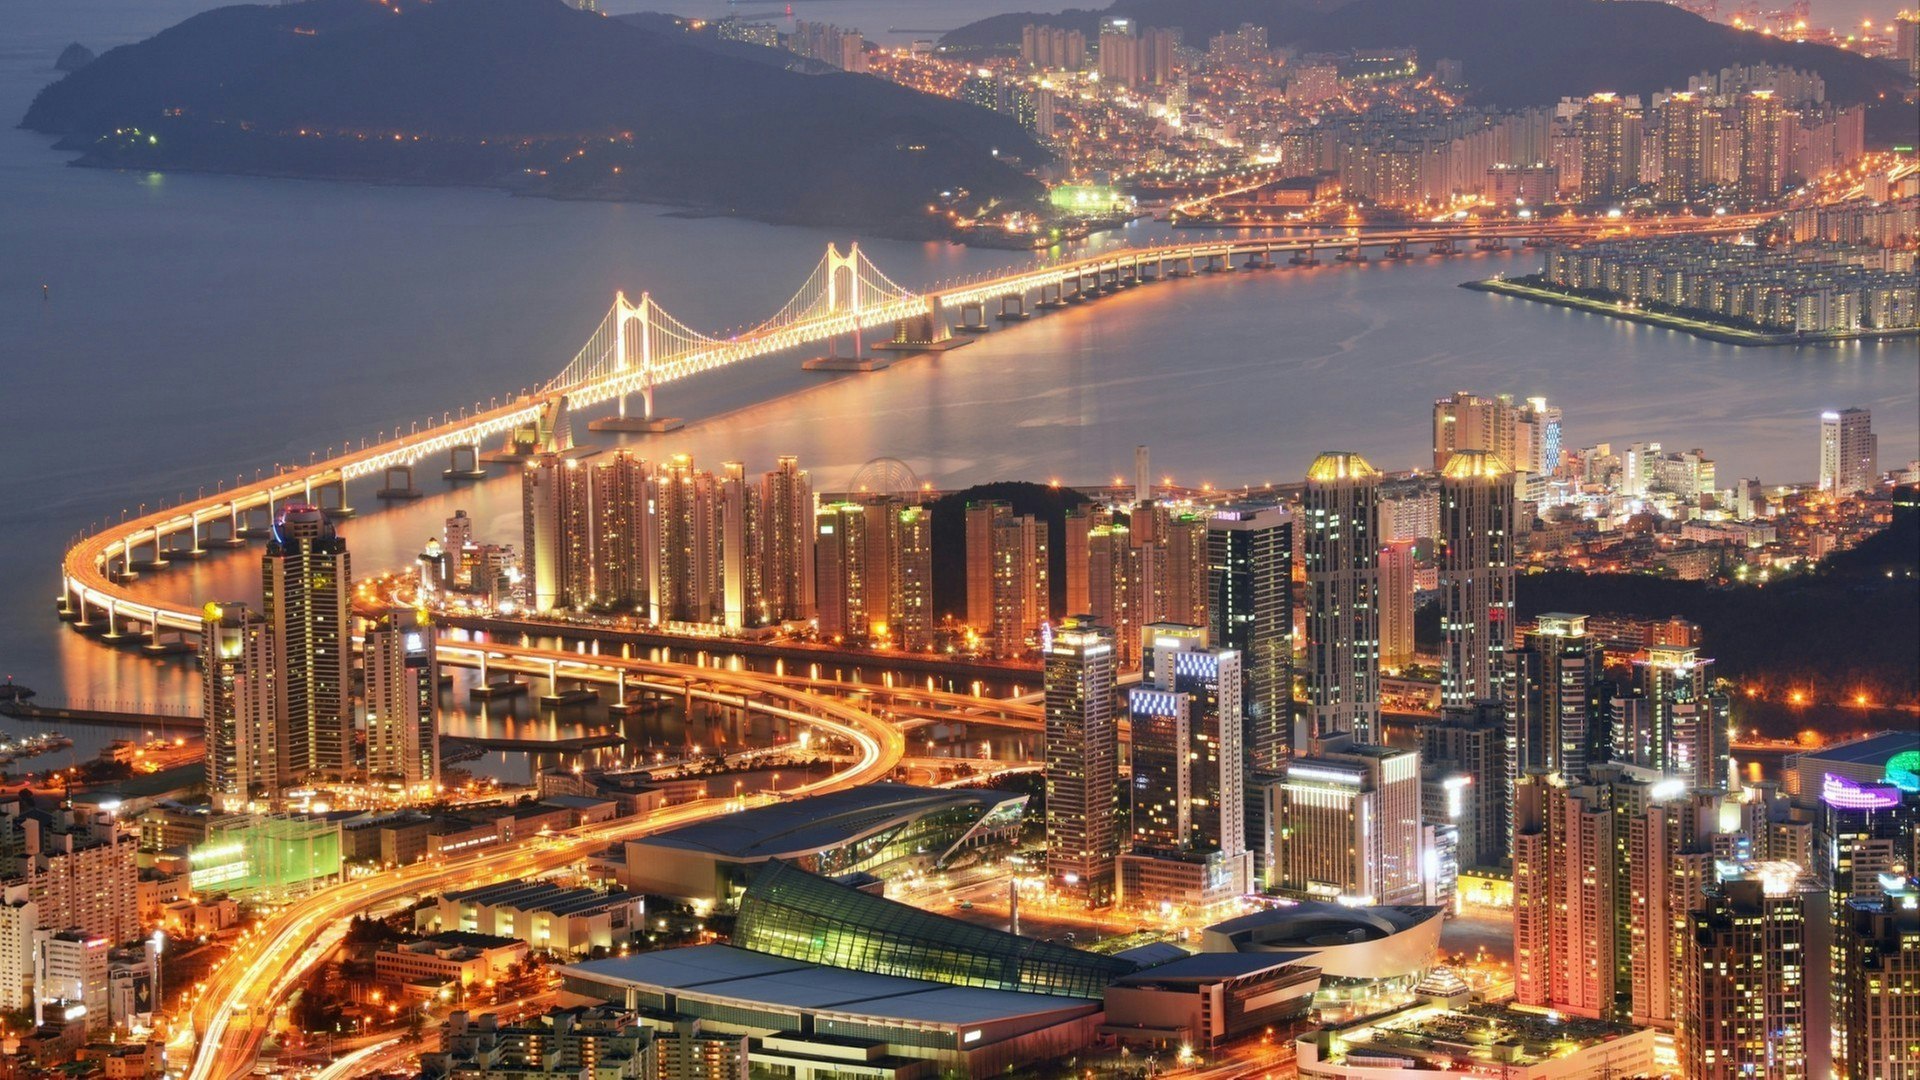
(1903, 770)
(1843, 794)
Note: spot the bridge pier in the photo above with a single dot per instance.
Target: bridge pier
(1305, 258)
(170, 643)
(1353, 254)
(1492, 243)
(404, 489)
(1260, 260)
(157, 562)
(1397, 251)
(337, 507)
(1050, 295)
(463, 462)
(1019, 312)
(251, 531)
(232, 537)
(1445, 247)
(1183, 267)
(973, 317)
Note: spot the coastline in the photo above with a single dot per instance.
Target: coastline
(1729, 335)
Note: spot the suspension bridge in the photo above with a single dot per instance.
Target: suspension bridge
(637, 348)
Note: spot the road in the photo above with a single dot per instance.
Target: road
(235, 1010)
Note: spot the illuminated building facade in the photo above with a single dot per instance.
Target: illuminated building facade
(557, 531)
(1396, 604)
(306, 599)
(1346, 825)
(1187, 790)
(238, 705)
(1762, 132)
(1877, 970)
(685, 582)
(1117, 588)
(841, 572)
(1339, 543)
(1082, 747)
(912, 619)
(1552, 722)
(1603, 149)
(1250, 610)
(1476, 575)
(787, 566)
(1746, 971)
(1674, 723)
(1470, 743)
(1682, 165)
(1007, 574)
(403, 702)
(1849, 452)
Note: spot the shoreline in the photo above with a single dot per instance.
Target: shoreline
(1728, 335)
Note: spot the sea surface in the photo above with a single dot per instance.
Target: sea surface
(195, 328)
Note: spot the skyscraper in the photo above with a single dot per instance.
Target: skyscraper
(1471, 743)
(549, 507)
(840, 551)
(1117, 588)
(1007, 572)
(1761, 134)
(1476, 575)
(1183, 591)
(307, 597)
(685, 577)
(1682, 165)
(238, 703)
(617, 508)
(1082, 745)
(1250, 610)
(1526, 435)
(1680, 724)
(1346, 825)
(1877, 968)
(1849, 452)
(403, 703)
(1603, 149)
(1188, 786)
(912, 617)
(786, 501)
(1396, 604)
(1552, 719)
(1340, 545)
(1747, 973)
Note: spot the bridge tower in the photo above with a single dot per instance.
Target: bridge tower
(844, 298)
(642, 313)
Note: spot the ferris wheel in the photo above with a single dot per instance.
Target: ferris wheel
(886, 476)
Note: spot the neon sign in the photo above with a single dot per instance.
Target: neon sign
(1843, 794)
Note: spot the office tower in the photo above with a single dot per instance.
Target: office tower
(1552, 719)
(883, 571)
(840, 552)
(1006, 575)
(72, 972)
(1346, 825)
(1476, 575)
(403, 702)
(786, 501)
(1761, 133)
(1877, 979)
(1849, 452)
(1603, 151)
(1250, 610)
(913, 619)
(1906, 43)
(617, 513)
(1188, 789)
(1471, 743)
(1339, 542)
(1676, 725)
(1117, 588)
(238, 701)
(1747, 973)
(1082, 744)
(685, 580)
(1682, 169)
(1396, 604)
(307, 597)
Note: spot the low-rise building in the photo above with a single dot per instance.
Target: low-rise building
(544, 915)
(1430, 1041)
(449, 958)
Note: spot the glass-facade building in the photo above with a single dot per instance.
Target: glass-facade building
(788, 912)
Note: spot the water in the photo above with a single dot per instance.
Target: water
(201, 327)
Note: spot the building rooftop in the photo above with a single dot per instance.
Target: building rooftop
(742, 975)
(541, 896)
(804, 826)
